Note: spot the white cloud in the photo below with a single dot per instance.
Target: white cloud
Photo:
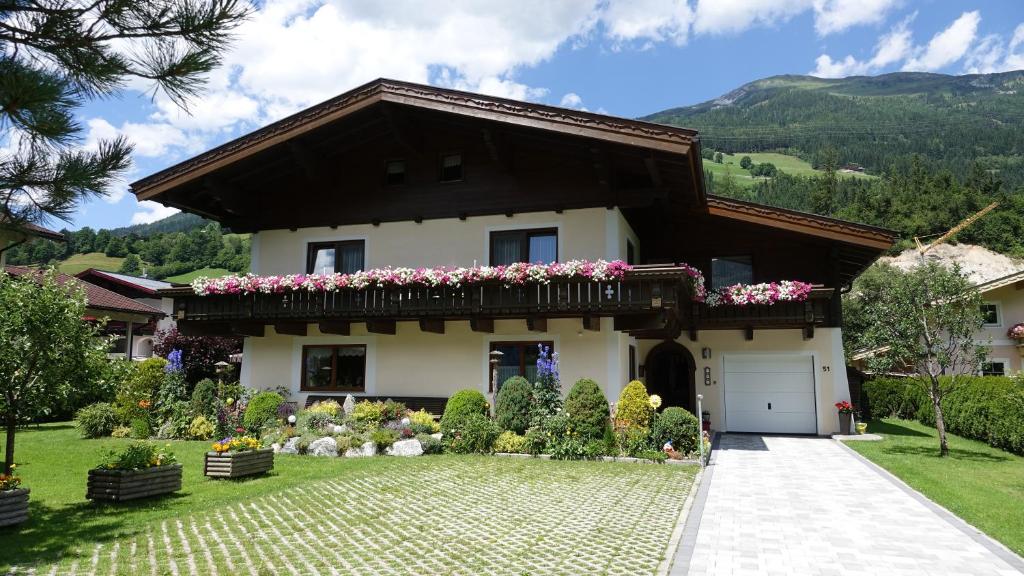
(947, 46)
(891, 48)
(832, 16)
(733, 16)
(992, 54)
(571, 100)
(151, 212)
(647, 20)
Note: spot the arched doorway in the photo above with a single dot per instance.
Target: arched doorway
(670, 371)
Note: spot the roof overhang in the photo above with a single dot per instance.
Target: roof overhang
(656, 137)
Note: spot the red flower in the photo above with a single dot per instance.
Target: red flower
(239, 429)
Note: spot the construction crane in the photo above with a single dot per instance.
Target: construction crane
(922, 248)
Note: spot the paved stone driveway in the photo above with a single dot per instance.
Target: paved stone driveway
(789, 505)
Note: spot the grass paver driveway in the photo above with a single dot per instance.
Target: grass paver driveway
(425, 515)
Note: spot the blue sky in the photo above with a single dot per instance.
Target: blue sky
(621, 57)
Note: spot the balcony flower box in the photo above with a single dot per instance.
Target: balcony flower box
(13, 506)
(234, 457)
(238, 464)
(119, 485)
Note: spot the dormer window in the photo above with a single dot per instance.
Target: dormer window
(451, 168)
(394, 172)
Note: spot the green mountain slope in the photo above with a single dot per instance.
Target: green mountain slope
(878, 122)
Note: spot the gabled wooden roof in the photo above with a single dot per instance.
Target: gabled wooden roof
(638, 133)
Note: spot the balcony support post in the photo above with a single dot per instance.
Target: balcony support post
(256, 329)
(339, 327)
(592, 323)
(290, 328)
(537, 324)
(485, 325)
(381, 327)
(432, 325)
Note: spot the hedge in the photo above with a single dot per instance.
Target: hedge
(985, 408)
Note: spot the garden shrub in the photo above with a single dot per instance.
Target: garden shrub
(634, 406)
(96, 420)
(312, 420)
(199, 354)
(635, 440)
(328, 407)
(121, 432)
(587, 409)
(513, 404)
(423, 422)
(141, 428)
(536, 440)
(201, 428)
(384, 438)
(261, 409)
(547, 390)
(137, 393)
(204, 398)
(460, 407)
(344, 442)
(306, 439)
(890, 398)
(476, 434)
(368, 415)
(676, 425)
(511, 443)
(392, 410)
(429, 444)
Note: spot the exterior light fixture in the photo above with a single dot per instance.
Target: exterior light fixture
(705, 352)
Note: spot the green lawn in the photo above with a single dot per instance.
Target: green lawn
(432, 514)
(188, 277)
(80, 262)
(981, 484)
(784, 162)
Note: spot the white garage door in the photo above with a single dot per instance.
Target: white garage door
(771, 393)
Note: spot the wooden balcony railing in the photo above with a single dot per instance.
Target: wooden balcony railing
(650, 301)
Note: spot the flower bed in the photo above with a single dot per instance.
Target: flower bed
(141, 471)
(13, 500)
(237, 457)
(764, 294)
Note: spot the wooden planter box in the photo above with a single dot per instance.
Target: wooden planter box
(13, 506)
(237, 464)
(121, 485)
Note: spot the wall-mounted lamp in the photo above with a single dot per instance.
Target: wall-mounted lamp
(705, 353)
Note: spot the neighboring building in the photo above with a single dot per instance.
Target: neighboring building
(10, 238)
(144, 290)
(122, 314)
(400, 174)
(1003, 307)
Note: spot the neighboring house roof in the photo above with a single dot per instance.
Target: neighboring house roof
(32, 230)
(1001, 282)
(97, 297)
(146, 285)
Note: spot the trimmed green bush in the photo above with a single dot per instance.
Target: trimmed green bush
(429, 444)
(587, 409)
(262, 408)
(460, 407)
(985, 408)
(476, 435)
(368, 415)
(634, 406)
(97, 420)
(384, 438)
(141, 428)
(676, 425)
(201, 428)
(513, 404)
(204, 398)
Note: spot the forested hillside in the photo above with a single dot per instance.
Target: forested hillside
(941, 146)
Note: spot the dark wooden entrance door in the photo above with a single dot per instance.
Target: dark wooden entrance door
(670, 374)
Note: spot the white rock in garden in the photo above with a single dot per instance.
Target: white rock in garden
(275, 447)
(367, 449)
(338, 429)
(406, 421)
(436, 435)
(411, 447)
(349, 405)
(325, 446)
(291, 446)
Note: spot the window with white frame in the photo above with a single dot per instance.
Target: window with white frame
(992, 314)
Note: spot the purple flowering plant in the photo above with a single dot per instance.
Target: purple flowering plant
(174, 362)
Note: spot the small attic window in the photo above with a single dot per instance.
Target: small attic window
(451, 168)
(394, 172)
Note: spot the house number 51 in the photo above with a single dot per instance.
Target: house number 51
(826, 368)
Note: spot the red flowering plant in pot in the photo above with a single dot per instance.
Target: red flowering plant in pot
(845, 416)
(1017, 332)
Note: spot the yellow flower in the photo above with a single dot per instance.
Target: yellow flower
(13, 466)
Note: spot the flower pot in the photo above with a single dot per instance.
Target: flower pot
(862, 427)
(844, 424)
(237, 464)
(13, 506)
(121, 485)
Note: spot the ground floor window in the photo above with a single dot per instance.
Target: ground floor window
(517, 359)
(337, 368)
(993, 368)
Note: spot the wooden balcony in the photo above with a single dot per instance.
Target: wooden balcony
(650, 301)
